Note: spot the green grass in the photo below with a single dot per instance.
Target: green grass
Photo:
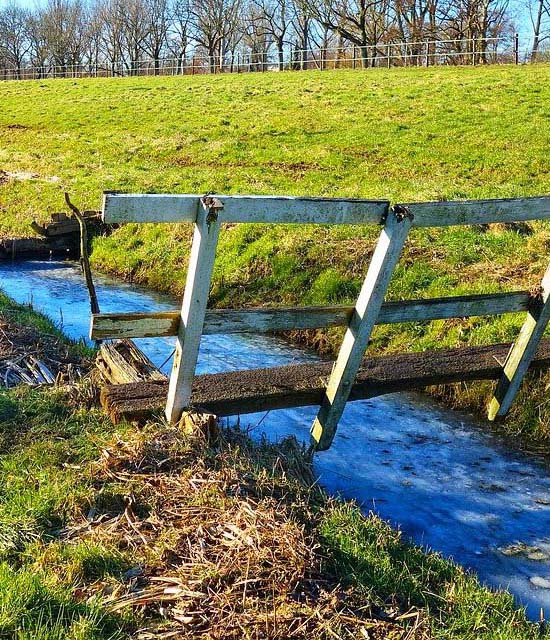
(409, 134)
(401, 134)
(46, 484)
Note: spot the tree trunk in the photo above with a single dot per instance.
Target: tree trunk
(280, 52)
(536, 36)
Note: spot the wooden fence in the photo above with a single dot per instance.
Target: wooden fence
(209, 213)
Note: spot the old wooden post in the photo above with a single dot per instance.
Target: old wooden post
(193, 310)
(361, 324)
(522, 352)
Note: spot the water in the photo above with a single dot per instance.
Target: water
(447, 482)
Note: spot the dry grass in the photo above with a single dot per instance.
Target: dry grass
(225, 544)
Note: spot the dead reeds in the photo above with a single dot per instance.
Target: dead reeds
(225, 542)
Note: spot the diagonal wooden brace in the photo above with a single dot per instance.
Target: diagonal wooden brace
(522, 352)
(193, 310)
(367, 308)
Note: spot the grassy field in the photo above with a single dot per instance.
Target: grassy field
(405, 135)
(111, 532)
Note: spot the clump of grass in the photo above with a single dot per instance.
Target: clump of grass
(30, 608)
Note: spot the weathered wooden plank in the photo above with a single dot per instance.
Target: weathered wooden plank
(122, 362)
(120, 208)
(195, 299)
(517, 361)
(363, 319)
(466, 212)
(242, 392)
(106, 326)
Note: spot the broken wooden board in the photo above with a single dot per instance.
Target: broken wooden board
(241, 392)
(122, 362)
(62, 224)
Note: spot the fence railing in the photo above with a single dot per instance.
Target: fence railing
(208, 213)
(384, 54)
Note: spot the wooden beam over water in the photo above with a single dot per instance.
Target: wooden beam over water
(242, 392)
(107, 326)
(122, 208)
(362, 322)
(517, 361)
(193, 309)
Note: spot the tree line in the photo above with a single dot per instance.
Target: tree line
(119, 35)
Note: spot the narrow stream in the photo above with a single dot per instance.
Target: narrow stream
(441, 477)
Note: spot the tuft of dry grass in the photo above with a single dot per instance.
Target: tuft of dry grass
(225, 543)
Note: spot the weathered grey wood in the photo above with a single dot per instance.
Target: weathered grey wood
(242, 392)
(356, 338)
(121, 362)
(522, 352)
(262, 320)
(107, 326)
(195, 299)
(445, 214)
(120, 208)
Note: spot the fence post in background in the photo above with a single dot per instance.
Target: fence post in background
(353, 56)
(516, 48)
(388, 51)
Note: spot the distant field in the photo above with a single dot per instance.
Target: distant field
(398, 134)
(401, 134)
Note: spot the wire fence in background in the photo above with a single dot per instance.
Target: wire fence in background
(386, 55)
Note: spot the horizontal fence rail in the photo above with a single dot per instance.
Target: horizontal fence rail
(265, 320)
(121, 208)
(425, 53)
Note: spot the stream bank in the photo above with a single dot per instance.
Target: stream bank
(439, 475)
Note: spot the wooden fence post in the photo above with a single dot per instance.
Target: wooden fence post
(193, 310)
(367, 308)
(522, 352)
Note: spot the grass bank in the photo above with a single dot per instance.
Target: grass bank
(116, 532)
(401, 134)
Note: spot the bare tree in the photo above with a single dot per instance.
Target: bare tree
(215, 21)
(65, 30)
(539, 13)
(357, 21)
(159, 24)
(274, 19)
(177, 38)
(136, 29)
(15, 40)
(110, 25)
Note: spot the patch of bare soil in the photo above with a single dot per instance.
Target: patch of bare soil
(4, 177)
(225, 543)
(28, 356)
